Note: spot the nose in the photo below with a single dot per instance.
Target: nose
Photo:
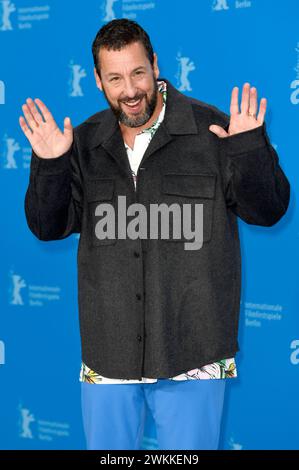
(130, 90)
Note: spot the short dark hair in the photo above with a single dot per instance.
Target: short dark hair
(117, 34)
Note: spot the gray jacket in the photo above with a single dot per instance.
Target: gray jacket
(149, 307)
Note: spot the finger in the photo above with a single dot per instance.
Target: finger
(262, 112)
(33, 109)
(46, 113)
(28, 133)
(234, 104)
(253, 100)
(219, 131)
(245, 98)
(29, 117)
(68, 128)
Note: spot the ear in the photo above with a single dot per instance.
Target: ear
(155, 66)
(97, 79)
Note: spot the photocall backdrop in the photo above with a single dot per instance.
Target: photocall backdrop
(204, 48)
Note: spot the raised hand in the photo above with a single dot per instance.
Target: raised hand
(45, 137)
(246, 119)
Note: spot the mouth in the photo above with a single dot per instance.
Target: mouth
(133, 106)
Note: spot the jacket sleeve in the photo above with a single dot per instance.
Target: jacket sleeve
(53, 200)
(255, 187)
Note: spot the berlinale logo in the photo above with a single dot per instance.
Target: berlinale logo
(6, 9)
(109, 11)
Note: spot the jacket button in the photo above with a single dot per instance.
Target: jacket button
(138, 296)
(139, 338)
(136, 254)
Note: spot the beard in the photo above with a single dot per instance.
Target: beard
(143, 117)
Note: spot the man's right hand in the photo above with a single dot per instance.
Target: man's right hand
(45, 137)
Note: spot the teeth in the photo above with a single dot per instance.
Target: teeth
(132, 104)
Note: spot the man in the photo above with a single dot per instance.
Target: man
(158, 319)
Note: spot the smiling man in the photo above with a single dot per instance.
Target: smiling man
(158, 323)
(129, 82)
(138, 103)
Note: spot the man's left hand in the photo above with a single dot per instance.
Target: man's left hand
(247, 119)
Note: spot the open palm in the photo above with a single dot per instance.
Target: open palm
(45, 137)
(248, 118)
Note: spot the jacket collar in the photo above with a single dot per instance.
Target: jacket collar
(178, 120)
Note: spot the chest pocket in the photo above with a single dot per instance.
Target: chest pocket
(190, 189)
(101, 211)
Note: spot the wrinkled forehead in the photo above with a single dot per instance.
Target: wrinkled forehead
(126, 59)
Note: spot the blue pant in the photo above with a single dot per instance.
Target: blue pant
(187, 414)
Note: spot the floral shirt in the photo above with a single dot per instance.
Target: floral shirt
(223, 369)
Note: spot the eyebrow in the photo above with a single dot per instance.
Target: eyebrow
(115, 73)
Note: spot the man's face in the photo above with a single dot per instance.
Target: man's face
(129, 83)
